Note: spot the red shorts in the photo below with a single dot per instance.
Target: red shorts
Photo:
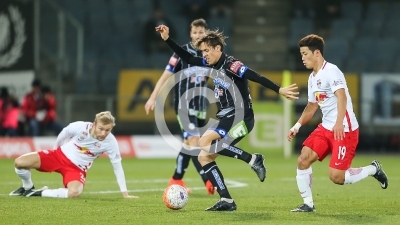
(56, 161)
(322, 142)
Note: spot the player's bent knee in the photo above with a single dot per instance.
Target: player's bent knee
(306, 158)
(20, 163)
(205, 158)
(74, 193)
(203, 143)
(337, 178)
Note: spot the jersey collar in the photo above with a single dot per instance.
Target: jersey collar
(220, 62)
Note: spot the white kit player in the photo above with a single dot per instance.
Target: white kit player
(338, 132)
(76, 148)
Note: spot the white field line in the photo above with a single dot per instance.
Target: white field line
(229, 183)
(165, 181)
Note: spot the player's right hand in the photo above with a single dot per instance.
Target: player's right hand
(164, 31)
(149, 105)
(291, 134)
(289, 92)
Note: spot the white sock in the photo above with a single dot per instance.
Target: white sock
(253, 158)
(304, 181)
(354, 175)
(55, 193)
(25, 176)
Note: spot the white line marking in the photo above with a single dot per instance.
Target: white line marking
(229, 183)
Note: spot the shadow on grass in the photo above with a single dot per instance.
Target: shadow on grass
(244, 216)
(350, 218)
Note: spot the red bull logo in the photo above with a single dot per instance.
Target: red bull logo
(320, 97)
(84, 150)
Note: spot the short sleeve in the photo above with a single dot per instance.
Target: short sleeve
(237, 68)
(174, 64)
(336, 80)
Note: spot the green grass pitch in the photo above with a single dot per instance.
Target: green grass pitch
(258, 203)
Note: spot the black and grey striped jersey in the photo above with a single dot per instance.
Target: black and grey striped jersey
(191, 87)
(230, 78)
(230, 88)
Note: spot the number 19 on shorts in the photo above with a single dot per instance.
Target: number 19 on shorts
(342, 152)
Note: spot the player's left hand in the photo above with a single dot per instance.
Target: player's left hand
(338, 132)
(288, 92)
(126, 195)
(164, 31)
(131, 196)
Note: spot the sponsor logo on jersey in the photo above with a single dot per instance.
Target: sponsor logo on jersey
(84, 150)
(320, 97)
(235, 66)
(221, 83)
(173, 61)
(195, 70)
(197, 79)
(319, 83)
(337, 82)
(83, 135)
(242, 70)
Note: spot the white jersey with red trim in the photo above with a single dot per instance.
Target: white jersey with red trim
(321, 90)
(82, 149)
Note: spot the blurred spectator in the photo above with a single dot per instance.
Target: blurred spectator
(194, 9)
(327, 11)
(32, 107)
(39, 110)
(50, 119)
(152, 39)
(9, 113)
(304, 8)
(222, 8)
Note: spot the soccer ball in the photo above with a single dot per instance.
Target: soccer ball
(175, 197)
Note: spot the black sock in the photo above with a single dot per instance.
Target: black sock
(199, 168)
(232, 151)
(216, 178)
(182, 163)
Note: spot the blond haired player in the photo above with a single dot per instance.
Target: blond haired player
(76, 148)
(338, 132)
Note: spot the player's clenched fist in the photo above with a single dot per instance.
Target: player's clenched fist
(164, 31)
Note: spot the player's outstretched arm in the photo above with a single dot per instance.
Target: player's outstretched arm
(120, 175)
(287, 92)
(152, 100)
(307, 114)
(182, 53)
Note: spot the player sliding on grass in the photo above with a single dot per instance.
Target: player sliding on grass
(338, 132)
(77, 146)
(235, 111)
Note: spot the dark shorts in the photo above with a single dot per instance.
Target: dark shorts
(233, 131)
(190, 125)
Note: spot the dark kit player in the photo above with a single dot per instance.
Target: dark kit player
(189, 99)
(230, 77)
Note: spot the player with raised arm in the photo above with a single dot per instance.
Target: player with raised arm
(230, 77)
(76, 148)
(185, 99)
(338, 132)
